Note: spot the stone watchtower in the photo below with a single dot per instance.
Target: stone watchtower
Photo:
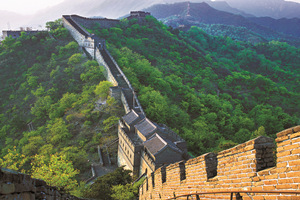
(145, 146)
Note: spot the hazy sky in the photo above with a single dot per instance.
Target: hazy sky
(32, 6)
(26, 6)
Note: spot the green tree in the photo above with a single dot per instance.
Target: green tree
(75, 59)
(56, 170)
(259, 132)
(34, 143)
(102, 187)
(13, 160)
(42, 107)
(102, 89)
(111, 122)
(58, 132)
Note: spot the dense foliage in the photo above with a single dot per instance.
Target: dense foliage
(215, 92)
(49, 125)
(112, 186)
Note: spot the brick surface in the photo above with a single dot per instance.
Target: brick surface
(237, 170)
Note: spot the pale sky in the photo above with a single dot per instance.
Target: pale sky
(27, 6)
(298, 1)
(32, 6)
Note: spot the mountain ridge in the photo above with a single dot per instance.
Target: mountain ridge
(175, 15)
(273, 8)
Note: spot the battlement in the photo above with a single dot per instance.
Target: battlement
(249, 166)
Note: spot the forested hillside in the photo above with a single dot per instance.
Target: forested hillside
(49, 125)
(215, 92)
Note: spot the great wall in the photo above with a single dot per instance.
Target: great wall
(242, 172)
(248, 171)
(143, 145)
(246, 168)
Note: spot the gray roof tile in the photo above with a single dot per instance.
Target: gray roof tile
(131, 117)
(155, 144)
(146, 127)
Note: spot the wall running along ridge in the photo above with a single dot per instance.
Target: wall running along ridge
(97, 49)
(247, 167)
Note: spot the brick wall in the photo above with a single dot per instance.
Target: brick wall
(248, 166)
(22, 187)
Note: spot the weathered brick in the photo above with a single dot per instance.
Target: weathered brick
(284, 143)
(296, 151)
(285, 132)
(295, 135)
(291, 147)
(296, 180)
(282, 175)
(268, 187)
(295, 162)
(282, 138)
(285, 181)
(293, 174)
(284, 153)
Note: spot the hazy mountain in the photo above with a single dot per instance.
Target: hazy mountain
(194, 14)
(271, 8)
(110, 9)
(287, 26)
(223, 6)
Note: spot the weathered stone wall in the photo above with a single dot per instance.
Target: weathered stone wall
(17, 186)
(115, 92)
(128, 152)
(89, 22)
(125, 103)
(79, 37)
(108, 74)
(147, 164)
(249, 166)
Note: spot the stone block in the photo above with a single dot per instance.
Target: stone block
(41, 189)
(39, 182)
(27, 196)
(7, 188)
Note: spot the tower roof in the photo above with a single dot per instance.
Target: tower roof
(146, 127)
(155, 144)
(131, 117)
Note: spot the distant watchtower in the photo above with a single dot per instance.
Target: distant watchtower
(138, 15)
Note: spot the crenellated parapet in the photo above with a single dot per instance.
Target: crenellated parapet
(250, 166)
